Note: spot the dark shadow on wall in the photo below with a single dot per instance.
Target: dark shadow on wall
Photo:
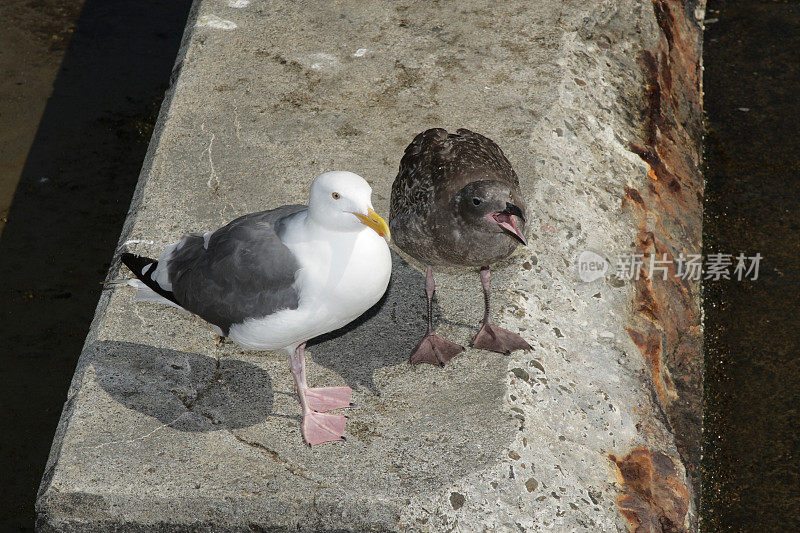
(66, 217)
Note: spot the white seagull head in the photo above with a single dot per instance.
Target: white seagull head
(342, 201)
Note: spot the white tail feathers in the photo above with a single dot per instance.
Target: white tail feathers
(146, 294)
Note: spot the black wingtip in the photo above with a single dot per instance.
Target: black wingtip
(136, 264)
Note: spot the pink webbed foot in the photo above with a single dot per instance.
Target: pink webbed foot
(497, 339)
(323, 399)
(435, 350)
(323, 427)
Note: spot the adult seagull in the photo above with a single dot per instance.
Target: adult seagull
(456, 201)
(275, 279)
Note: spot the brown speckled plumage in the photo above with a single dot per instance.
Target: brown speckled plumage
(456, 201)
(426, 219)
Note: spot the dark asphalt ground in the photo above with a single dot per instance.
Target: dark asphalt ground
(78, 154)
(751, 448)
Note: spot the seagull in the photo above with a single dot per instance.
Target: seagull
(456, 201)
(275, 279)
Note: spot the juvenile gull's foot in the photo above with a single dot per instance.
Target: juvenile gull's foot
(497, 339)
(435, 350)
(323, 399)
(323, 427)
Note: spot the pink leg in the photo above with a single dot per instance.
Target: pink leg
(317, 427)
(491, 337)
(432, 348)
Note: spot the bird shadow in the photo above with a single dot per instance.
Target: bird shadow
(194, 392)
(383, 336)
(188, 391)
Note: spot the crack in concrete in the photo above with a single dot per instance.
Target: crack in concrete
(292, 469)
(189, 403)
(315, 508)
(236, 120)
(130, 441)
(213, 181)
(138, 315)
(216, 378)
(213, 178)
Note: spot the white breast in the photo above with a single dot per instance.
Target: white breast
(342, 274)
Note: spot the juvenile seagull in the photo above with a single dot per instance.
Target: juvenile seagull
(456, 201)
(275, 279)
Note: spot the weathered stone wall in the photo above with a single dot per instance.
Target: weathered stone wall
(596, 105)
(668, 208)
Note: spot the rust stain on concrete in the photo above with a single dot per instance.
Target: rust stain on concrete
(667, 205)
(634, 195)
(654, 499)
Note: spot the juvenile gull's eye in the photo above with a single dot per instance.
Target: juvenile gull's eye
(476, 201)
(336, 196)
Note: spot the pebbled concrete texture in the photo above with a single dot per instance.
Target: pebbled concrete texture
(164, 430)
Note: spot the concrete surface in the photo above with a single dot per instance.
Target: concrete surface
(165, 431)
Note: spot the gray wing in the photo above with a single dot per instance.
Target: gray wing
(245, 272)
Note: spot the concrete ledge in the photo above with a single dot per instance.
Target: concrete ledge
(166, 431)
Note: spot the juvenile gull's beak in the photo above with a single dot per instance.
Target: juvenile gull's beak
(511, 209)
(505, 219)
(375, 221)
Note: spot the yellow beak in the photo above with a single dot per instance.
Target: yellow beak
(376, 222)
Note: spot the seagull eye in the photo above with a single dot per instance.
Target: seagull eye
(336, 196)
(476, 201)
